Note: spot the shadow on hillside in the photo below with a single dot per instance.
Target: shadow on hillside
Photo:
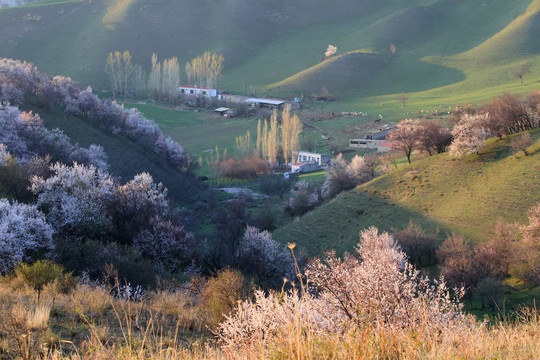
(336, 225)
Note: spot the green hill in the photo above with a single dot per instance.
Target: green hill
(466, 196)
(445, 50)
(127, 159)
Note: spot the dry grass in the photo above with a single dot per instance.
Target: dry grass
(158, 328)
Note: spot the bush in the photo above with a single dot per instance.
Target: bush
(247, 167)
(417, 243)
(221, 294)
(303, 199)
(264, 258)
(376, 290)
(39, 274)
(272, 184)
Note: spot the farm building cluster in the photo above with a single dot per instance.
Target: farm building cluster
(373, 140)
(256, 103)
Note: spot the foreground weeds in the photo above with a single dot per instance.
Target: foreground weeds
(90, 324)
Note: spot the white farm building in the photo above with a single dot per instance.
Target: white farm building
(197, 91)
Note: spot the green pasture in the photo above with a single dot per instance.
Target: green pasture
(466, 196)
(446, 53)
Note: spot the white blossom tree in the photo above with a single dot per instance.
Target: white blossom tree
(23, 231)
(331, 50)
(469, 134)
(176, 155)
(75, 199)
(260, 255)
(166, 242)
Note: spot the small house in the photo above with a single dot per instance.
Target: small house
(303, 168)
(372, 139)
(364, 143)
(308, 157)
(197, 91)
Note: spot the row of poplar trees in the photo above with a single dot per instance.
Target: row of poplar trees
(268, 138)
(164, 77)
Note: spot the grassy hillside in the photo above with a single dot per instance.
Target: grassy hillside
(127, 159)
(77, 36)
(447, 52)
(466, 196)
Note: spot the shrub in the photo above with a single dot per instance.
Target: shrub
(221, 294)
(375, 290)
(24, 233)
(417, 243)
(303, 199)
(264, 258)
(273, 184)
(248, 167)
(39, 274)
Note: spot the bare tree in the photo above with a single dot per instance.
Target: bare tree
(456, 258)
(432, 136)
(521, 142)
(120, 71)
(170, 78)
(404, 137)
(291, 127)
(164, 79)
(533, 107)
(244, 144)
(507, 115)
(139, 78)
(403, 100)
(519, 70)
(154, 81)
(204, 70)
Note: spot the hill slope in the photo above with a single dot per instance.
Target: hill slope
(466, 196)
(127, 159)
(284, 39)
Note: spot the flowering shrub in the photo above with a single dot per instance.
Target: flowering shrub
(19, 80)
(303, 199)
(377, 288)
(342, 176)
(260, 255)
(166, 242)
(23, 231)
(75, 199)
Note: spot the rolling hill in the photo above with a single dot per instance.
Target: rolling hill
(446, 51)
(467, 196)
